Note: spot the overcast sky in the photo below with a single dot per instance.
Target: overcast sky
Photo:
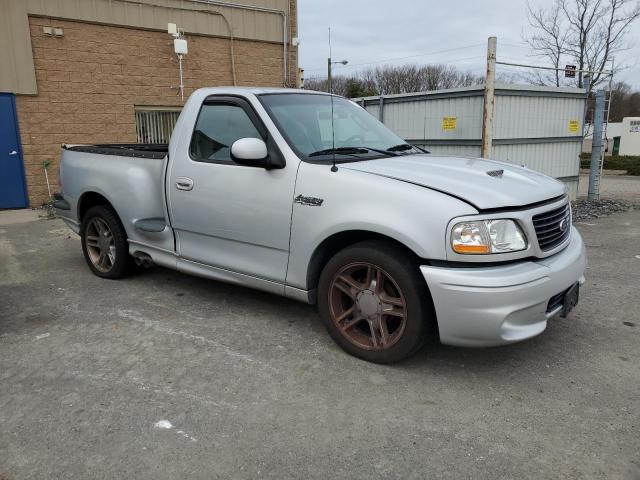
(429, 31)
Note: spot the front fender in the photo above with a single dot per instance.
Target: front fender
(413, 215)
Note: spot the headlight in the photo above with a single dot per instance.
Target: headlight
(487, 236)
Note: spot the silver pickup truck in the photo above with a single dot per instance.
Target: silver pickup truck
(306, 195)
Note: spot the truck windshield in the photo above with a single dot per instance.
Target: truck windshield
(305, 122)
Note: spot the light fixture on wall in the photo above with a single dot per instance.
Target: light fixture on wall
(181, 49)
(53, 31)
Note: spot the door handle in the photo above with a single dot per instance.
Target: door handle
(13, 152)
(184, 183)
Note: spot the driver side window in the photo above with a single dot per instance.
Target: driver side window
(217, 128)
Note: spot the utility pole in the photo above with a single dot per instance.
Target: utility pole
(606, 122)
(585, 117)
(489, 99)
(596, 147)
(329, 67)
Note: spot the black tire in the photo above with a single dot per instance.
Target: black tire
(123, 262)
(399, 269)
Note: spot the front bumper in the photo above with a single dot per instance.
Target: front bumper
(481, 307)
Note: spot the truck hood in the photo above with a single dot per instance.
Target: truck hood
(485, 184)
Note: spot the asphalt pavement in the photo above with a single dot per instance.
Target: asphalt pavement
(167, 376)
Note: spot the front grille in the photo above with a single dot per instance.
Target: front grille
(552, 227)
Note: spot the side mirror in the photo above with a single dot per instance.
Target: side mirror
(251, 152)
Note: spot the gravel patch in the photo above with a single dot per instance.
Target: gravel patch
(584, 209)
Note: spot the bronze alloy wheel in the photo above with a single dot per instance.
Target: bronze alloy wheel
(100, 244)
(367, 306)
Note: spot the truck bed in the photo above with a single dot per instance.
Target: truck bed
(139, 150)
(130, 177)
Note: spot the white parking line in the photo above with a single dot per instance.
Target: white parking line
(157, 326)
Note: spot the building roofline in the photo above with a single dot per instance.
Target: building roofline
(501, 89)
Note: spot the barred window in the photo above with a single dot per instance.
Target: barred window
(155, 124)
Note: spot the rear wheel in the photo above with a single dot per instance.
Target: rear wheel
(104, 243)
(374, 303)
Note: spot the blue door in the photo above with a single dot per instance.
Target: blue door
(13, 193)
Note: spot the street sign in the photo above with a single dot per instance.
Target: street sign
(570, 71)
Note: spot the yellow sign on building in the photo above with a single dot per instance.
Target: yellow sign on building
(449, 123)
(574, 126)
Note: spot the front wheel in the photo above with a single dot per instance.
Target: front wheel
(104, 243)
(374, 303)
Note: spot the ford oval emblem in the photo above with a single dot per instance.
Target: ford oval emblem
(564, 224)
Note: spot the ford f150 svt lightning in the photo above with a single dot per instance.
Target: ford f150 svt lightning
(307, 195)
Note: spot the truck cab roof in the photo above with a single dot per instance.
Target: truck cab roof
(254, 90)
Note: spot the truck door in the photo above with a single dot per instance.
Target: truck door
(225, 215)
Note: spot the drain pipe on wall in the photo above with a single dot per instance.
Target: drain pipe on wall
(231, 52)
(199, 10)
(282, 13)
(285, 26)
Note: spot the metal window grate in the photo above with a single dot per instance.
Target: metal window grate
(155, 125)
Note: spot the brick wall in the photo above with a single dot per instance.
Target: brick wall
(293, 51)
(91, 79)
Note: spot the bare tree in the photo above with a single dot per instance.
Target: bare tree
(624, 102)
(417, 78)
(322, 85)
(590, 32)
(388, 79)
(548, 40)
(608, 34)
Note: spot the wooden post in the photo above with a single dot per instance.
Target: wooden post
(489, 99)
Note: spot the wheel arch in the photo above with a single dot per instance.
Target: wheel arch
(340, 240)
(91, 199)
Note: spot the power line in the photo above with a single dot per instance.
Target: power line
(452, 63)
(559, 69)
(513, 45)
(415, 56)
(404, 58)
(513, 41)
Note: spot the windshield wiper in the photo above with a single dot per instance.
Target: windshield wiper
(400, 148)
(350, 151)
(377, 150)
(339, 150)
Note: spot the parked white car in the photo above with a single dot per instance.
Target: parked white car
(307, 195)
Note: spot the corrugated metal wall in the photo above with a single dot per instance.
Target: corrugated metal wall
(538, 127)
(422, 119)
(557, 159)
(537, 116)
